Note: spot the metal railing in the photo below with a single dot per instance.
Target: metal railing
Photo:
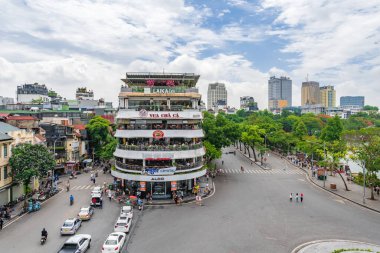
(147, 147)
(138, 168)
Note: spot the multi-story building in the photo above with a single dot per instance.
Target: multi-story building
(159, 133)
(279, 90)
(29, 93)
(328, 96)
(5, 178)
(84, 94)
(216, 95)
(248, 103)
(349, 101)
(310, 93)
(6, 100)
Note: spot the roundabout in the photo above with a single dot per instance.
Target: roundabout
(336, 246)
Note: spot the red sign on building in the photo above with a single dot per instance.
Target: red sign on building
(158, 134)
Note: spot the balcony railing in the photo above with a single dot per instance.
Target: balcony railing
(158, 108)
(147, 147)
(139, 168)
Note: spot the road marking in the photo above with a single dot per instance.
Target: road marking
(88, 186)
(74, 187)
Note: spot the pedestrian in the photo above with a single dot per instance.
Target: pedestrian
(1, 224)
(291, 197)
(92, 176)
(378, 190)
(297, 197)
(109, 194)
(94, 180)
(222, 162)
(207, 176)
(101, 202)
(301, 197)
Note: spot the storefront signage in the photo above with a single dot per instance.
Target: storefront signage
(158, 134)
(164, 115)
(157, 171)
(157, 179)
(173, 185)
(142, 186)
(163, 90)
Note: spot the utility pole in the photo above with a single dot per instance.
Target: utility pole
(364, 182)
(324, 178)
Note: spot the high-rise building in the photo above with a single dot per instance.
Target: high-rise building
(159, 134)
(216, 95)
(6, 100)
(28, 93)
(349, 101)
(279, 90)
(310, 93)
(328, 96)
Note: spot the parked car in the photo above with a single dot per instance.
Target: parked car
(114, 243)
(86, 213)
(123, 224)
(76, 244)
(126, 211)
(70, 226)
(97, 190)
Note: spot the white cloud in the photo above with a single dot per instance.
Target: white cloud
(336, 42)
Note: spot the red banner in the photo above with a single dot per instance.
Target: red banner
(142, 186)
(173, 185)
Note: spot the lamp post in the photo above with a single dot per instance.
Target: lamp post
(324, 171)
(364, 182)
(58, 138)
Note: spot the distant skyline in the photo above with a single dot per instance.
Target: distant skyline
(71, 44)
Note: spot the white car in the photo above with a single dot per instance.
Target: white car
(97, 190)
(114, 243)
(126, 211)
(86, 213)
(123, 224)
(76, 244)
(70, 226)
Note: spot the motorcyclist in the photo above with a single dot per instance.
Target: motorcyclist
(71, 199)
(44, 233)
(68, 186)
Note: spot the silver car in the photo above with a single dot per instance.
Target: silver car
(70, 226)
(76, 244)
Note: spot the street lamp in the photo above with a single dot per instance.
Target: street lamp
(363, 181)
(324, 171)
(58, 138)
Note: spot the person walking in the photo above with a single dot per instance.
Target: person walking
(222, 162)
(1, 223)
(301, 197)
(291, 197)
(109, 194)
(297, 197)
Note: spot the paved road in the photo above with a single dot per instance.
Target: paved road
(251, 212)
(24, 234)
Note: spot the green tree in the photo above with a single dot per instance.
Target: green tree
(365, 148)
(100, 133)
(107, 150)
(214, 133)
(252, 137)
(333, 130)
(29, 161)
(211, 152)
(300, 129)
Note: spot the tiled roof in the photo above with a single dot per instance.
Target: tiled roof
(21, 118)
(4, 114)
(79, 127)
(4, 137)
(5, 128)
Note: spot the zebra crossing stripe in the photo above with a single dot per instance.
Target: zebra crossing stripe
(88, 186)
(74, 187)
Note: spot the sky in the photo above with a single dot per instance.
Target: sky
(69, 44)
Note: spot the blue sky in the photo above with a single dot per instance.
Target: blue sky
(72, 43)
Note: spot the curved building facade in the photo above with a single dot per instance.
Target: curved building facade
(159, 134)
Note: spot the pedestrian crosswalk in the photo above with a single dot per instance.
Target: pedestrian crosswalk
(82, 187)
(262, 172)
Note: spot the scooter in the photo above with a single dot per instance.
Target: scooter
(43, 240)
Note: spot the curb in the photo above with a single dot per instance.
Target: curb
(300, 247)
(241, 152)
(332, 192)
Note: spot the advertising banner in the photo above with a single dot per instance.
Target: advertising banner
(142, 186)
(173, 185)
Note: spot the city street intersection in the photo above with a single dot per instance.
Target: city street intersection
(250, 211)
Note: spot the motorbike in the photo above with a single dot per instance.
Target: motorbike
(43, 240)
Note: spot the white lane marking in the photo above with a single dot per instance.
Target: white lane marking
(340, 201)
(74, 187)
(88, 186)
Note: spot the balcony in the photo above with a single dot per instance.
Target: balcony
(147, 147)
(196, 133)
(139, 168)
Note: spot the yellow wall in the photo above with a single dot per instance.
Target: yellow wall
(4, 162)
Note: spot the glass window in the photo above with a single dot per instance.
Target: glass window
(5, 148)
(5, 173)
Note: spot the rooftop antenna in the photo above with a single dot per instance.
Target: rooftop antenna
(307, 77)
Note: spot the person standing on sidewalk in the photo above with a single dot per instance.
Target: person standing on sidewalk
(1, 223)
(291, 197)
(222, 162)
(301, 197)
(297, 197)
(109, 194)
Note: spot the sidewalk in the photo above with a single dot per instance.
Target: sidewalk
(354, 195)
(331, 245)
